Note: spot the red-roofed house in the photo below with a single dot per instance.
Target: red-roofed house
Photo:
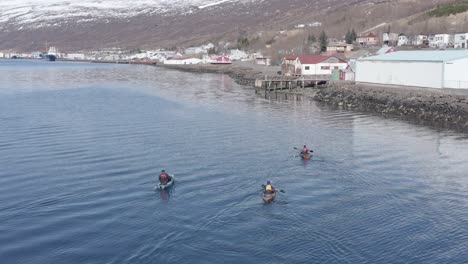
(368, 40)
(311, 64)
(222, 60)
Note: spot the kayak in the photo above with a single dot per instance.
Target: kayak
(268, 197)
(305, 156)
(168, 184)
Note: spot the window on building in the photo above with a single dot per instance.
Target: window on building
(307, 68)
(336, 67)
(325, 67)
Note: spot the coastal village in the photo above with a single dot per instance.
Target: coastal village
(433, 60)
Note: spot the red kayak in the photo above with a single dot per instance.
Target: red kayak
(306, 156)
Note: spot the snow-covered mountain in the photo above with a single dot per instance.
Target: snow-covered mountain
(33, 14)
(73, 25)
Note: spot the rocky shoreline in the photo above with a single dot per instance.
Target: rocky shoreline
(437, 108)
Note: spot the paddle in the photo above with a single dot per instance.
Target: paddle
(309, 150)
(263, 187)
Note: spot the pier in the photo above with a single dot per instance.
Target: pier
(275, 83)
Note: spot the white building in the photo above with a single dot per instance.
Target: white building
(2, 55)
(402, 40)
(443, 41)
(311, 65)
(432, 42)
(75, 56)
(433, 69)
(182, 61)
(461, 41)
(389, 39)
(420, 40)
(236, 54)
(315, 24)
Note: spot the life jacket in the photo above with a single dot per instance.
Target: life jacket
(268, 188)
(305, 150)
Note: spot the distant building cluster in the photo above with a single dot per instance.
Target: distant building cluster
(434, 61)
(204, 54)
(436, 41)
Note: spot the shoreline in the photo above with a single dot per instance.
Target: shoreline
(241, 74)
(438, 108)
(447, 108)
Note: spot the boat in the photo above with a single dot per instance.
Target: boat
(168, 184)
(268, 197)
(50, 57)
(306, 156)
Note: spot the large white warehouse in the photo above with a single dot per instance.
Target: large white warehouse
(434, 69)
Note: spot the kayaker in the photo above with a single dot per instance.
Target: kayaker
(164, 177)
(269, 189)
(305, 150)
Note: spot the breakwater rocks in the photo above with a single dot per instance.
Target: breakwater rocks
(441, 108)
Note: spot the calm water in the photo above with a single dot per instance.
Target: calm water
(81, 146)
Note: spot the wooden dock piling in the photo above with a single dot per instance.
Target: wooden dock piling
(275, 83)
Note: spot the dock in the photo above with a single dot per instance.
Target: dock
(275, 83)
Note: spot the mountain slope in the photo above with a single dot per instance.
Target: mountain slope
(94, 24)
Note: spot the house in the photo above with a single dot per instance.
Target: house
(368, 40)
(402, 40)
(389, 39)
(420, 40)
(339, 47)
(311, 64)
(182, 61)
(429, 68)
(443, 41)
(461, 41)
(223, 59)
(432, 41)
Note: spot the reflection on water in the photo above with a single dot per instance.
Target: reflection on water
(81, 143)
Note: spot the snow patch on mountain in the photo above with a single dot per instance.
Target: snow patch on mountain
(42, 13)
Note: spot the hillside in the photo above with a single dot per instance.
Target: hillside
(87, 24)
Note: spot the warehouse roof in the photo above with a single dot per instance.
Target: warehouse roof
(420, 55)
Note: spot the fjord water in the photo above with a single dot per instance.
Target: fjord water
(81, 145)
